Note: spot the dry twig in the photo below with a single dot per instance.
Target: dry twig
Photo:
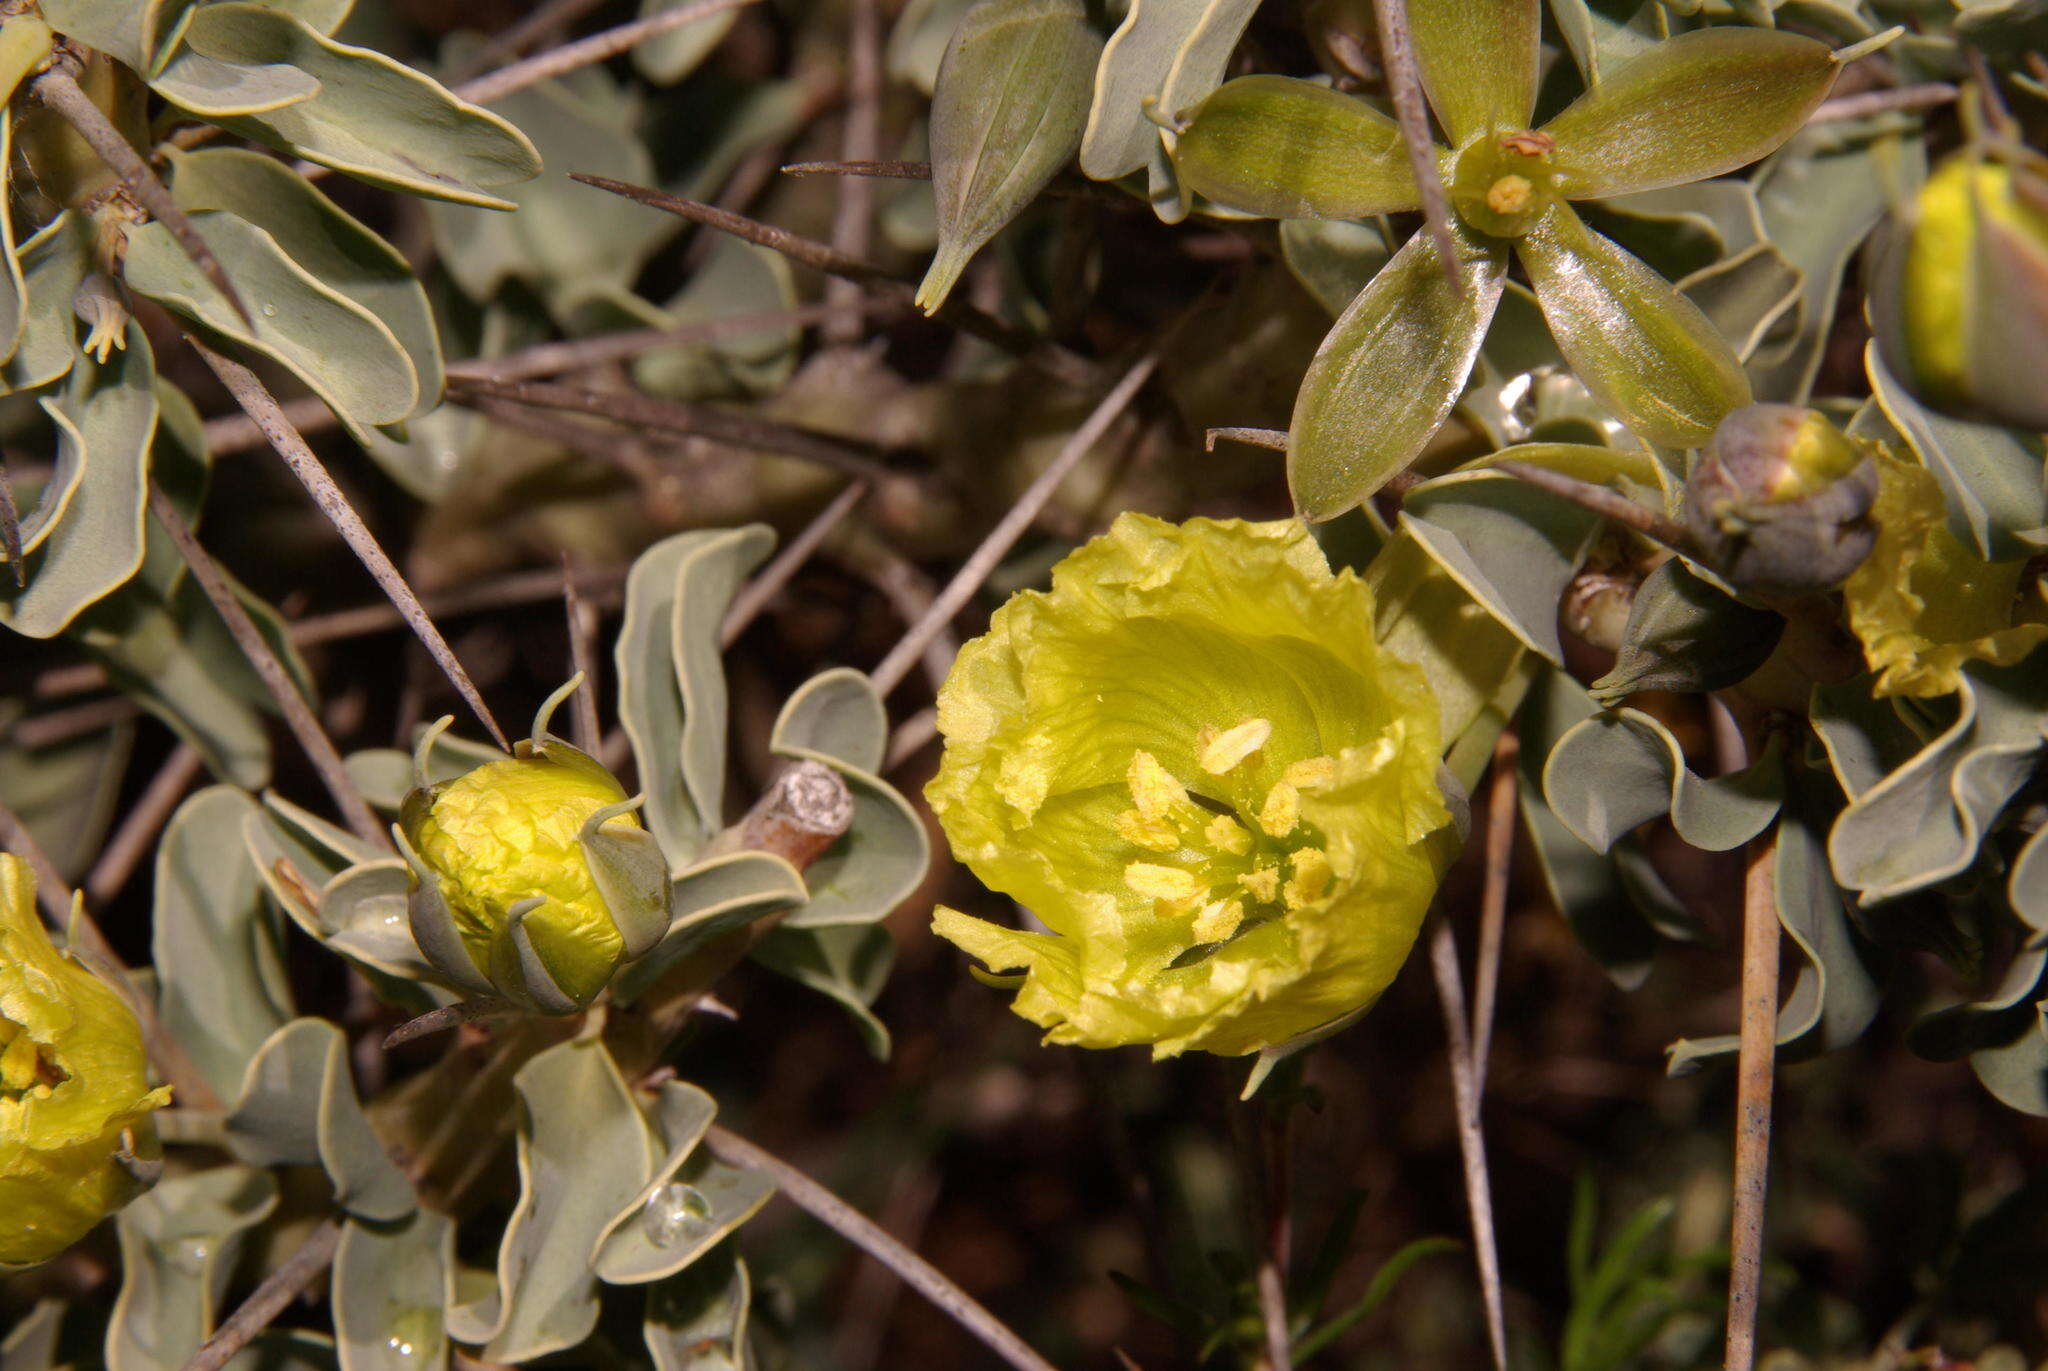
(269, 1299)
(1404, 81)
(598, 47)
(1450, 990)
(1754, 1070)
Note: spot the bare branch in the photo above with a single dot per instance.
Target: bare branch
(860, 139)
(1927, 95)
(58, 88)
(843, 1219)
(1450, 992)
(269, 1299)
(598, 47)
(582, 622)
(548, 17)
(447, 1017)
(1404, 80)
(257, 401)
(862, 168)
(549, 359)
(1493, 901)
(1754, 1070)
(297, 714)
(1005, 534)
(1274, 438)
(1273, 1314)
(760, 592)
(132, 841)
(1608, 504)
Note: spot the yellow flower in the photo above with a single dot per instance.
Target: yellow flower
(1194, 764)
(76, 1141)
(1924, 605)
(534, 880)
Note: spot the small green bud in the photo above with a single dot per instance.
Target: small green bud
(1781, 500)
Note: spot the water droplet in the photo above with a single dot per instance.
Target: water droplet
(270, 311)
(675, 1212)
(192, 1254)
(415, 1335)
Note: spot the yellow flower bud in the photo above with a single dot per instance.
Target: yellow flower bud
(76, 1141)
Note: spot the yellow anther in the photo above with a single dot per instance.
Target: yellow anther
(1315, 771)
(1161, 882)
(1311, 878)
(1227, 835)
(1264, 884)
(1217, 921)
(1153, 788)
(18, 1063)
(1222, 751)
(1154, 835)
(1509, 195)
(1281, 811)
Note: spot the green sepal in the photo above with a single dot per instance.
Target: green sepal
(1478, 61)
(1291, 149)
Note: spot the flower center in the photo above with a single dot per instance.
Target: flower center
(1224, 854)
(25, 1072)
(1500, 183)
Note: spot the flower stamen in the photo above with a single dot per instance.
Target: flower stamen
(1166, 883)
(1281, 811)
(1221, 752)
(1153, 788)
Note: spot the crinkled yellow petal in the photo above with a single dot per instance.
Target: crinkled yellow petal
(1923, 605)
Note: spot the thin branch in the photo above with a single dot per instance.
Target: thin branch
(760, 592)
(550, 359)
(1754, 1070)
(257, 401)
(598, 47)
(297, 714)
(860, 139)
(132, 841)
(1607, 503)
(269, 1299)
(911, 737)
(1493, 901)
(843, 1219)
(1273, 1314)
(1274, 438)
(910, 593)
(735, 427)
(447, 1017)
(582, 623)
(659, 487)
(1450, 992)
(1005, 534)
(59, 89)
(53, 892)
(240, 433)
(1926, 95)
(1404, 81)
(859, 168)
(508, 43)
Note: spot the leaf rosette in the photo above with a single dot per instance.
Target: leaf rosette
(1193, 762)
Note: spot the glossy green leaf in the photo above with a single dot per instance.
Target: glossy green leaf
(1478, 61)
(668, 57)
(387, 1291)
(1171, 52)
(374, 118)
(1289, 149)
(298, 1107)
(1334, 259)
(1835, 995)
(1007, 113)
(1621, 769)
(584, 1152)
(1388, 373)
(1686, 635)
(1513, 548)
(1696, 105)
(691, 1202)
(344, 353)
(709, 900)
(849, 963)
(672, 679)
(106, 423)
(1644, 351)
(333, 246)
(222, 989)
(179, 1246)
(1923, 823)
(697, 1320)
(1991, 478)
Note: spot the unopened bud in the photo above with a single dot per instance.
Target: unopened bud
(1781, 500)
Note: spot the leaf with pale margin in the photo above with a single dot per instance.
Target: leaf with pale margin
(1685, 635)
(671, 677)
(584, 1152)
(335, 247)
(298, 1107)
(1694, 106)
(132, 32)
(106, 422)
(13, 287)
(373, 118)
(221, 983)
(2027, 886)
(179, 1247)
(1747, 295)
(1864, 735)
(1513, 548)
(1988, 1023)
(697, 1320)
(1924, 822)
(1991, 478)
(1289, 149)
(65, 792)
(711, 899)
(1008, 109)
(1478, 61)
(849, 963)
(649, 1240)
(388, 1290)
(1334, 259)
(1836, 993)
(1171, 51)
(1645, 352)
(1388, 373)
(1621, 768)
(52, 263)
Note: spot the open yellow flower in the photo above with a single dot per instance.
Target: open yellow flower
(1924, 605)
(76, 1142)
(1194, 764)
